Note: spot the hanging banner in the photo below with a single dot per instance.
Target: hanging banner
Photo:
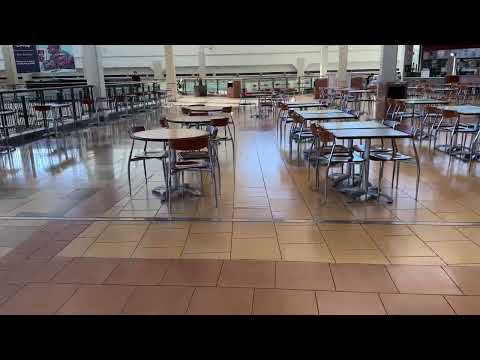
(44, 58)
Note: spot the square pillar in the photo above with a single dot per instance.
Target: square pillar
(387, 75)
(342, 66)
(93, 69)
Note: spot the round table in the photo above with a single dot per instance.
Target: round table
(205, 108)
(162, 135)
(194, 120)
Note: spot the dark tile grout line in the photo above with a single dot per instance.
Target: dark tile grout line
(383, 305)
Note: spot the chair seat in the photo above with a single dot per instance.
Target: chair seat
(191, 164)
(150, 155)
(191, 155)
(389, 156)
(346, 158)
(374, 148)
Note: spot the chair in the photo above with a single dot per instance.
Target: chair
(224, 123)
(397, 158)
(49, 117)
(7, 122)
(145, 155)
(102, 105)
(298, 134)
(228, 110)
(179, 166)
(445, 125)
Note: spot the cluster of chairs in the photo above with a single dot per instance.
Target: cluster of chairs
(459, 93)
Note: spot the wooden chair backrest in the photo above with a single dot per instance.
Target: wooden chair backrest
(135, 129)
(42, 107)
(185, 111)
(448, 114)
(189, 144)
(164, 123)
(227, 109)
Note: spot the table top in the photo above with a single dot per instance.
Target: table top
(462, 109)
(205, 108)
(443, 89)
(362, 91)
(423, 101)
(305, 105)
(319, 111)
(203, 119)
(7, 112)
(56, 105)
(344, 125)
(329, 116)
(369, 133)
(164, 134)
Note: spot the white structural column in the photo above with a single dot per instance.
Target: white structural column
(157, 67)
(10, 67)
(342, 66)
(300, 66)
(388, 74)
(324, 61)
(170, 72)
(93, 69)
(202, 69)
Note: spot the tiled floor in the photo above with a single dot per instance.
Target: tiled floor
(135, 286)
(268, 248)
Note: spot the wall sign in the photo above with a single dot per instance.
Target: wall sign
(44, 58)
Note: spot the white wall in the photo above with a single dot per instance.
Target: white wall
(232, 58)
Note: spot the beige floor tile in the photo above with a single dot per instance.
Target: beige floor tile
(150, 204)
(212, 212)
(399, 245)
(251, 202)
(4, 250)
(348, 240)
(157, 252)
(122, 233)
(299, 234)
(415, 260)
(208, 243)
(306, 252)
(77, 247)
(110, 250)
(218, 256)
(457, 252)
(252, 213)
(253, 229)
(333, 214)
(338, 227)
(437, 233)
(137, 213)
(359, 256)
(211, 227)
(473, 233)
(95, 229)
(164, 238)
(255, 248)
(443, 206)
(459, 216)
(380, 230)
(160, 225)
(415, 215)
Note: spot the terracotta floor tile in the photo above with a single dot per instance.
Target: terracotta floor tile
(255, 248)
(211, 227)
(97, 300)
(306, 252)
(359, 256)
(193, 272)
(251, 202)
(284, 302)
(36, 271)
(8, 290)
(348, 240)
(77, 247)
(408, 304)
(304, 276)
(466, 277)
(122, 233)
(362, 277)
(295, 234)
(415, 215)
(252, 229)
(339, 227)
(443, 206)
(110, 250)
(372, 212)
(208, 242)
(416, 260)
(459, 216)
(164, 238)
(95, 229)
(86, 271)
(246, 273)
(138, 272)
(160, 225)
(218, 256)
(159, 300)
(379, 231)
(157, 252)
(49, 251)
(457, 252)
(465, 305)
(221, 301)
(422, 279)
(33, 299)
(437, 233)
(347, 303)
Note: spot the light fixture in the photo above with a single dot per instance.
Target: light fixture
(452, 54)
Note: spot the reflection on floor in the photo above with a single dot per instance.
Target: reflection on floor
(272, 246)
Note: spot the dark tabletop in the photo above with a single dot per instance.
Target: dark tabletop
(369, 133)
(344, 125)
(205, 108)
